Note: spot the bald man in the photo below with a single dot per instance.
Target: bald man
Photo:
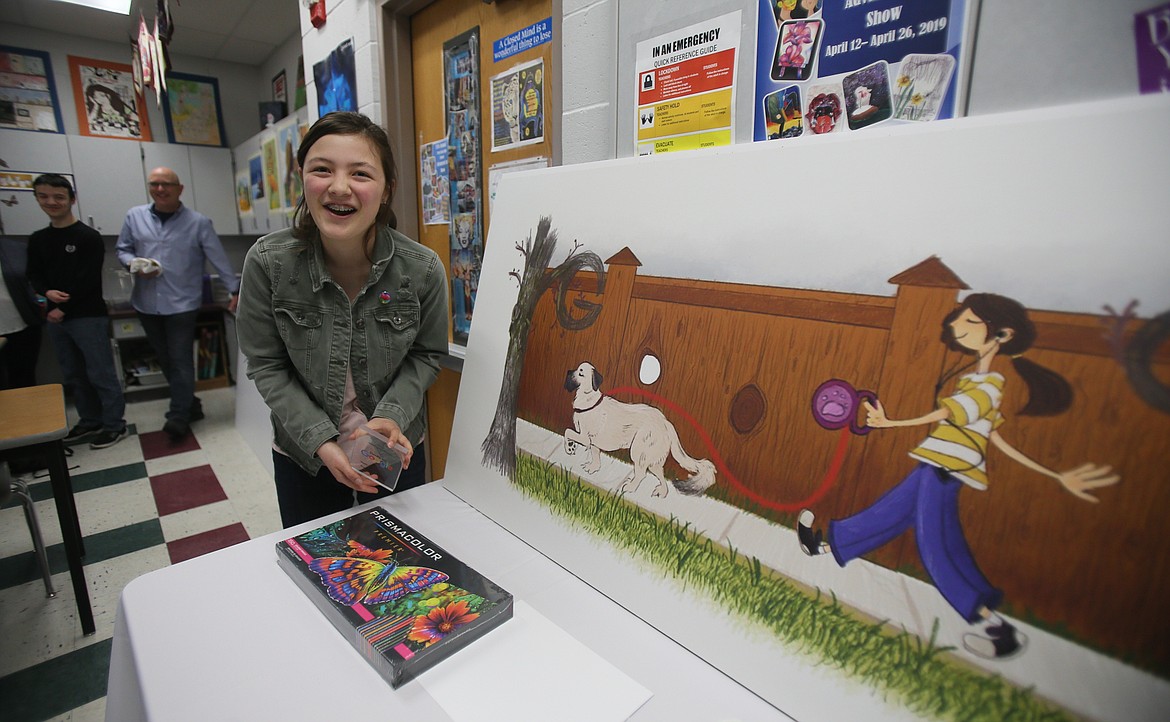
(167, 297)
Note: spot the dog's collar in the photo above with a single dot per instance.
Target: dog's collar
(590, 408)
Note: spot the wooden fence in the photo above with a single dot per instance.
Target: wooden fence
(744, 361)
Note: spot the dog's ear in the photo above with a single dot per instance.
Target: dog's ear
(597, 380)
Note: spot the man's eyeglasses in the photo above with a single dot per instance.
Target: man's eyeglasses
(161, 184)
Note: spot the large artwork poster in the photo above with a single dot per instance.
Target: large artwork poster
(518, 106)
(871, 462)
(464, 136)
(28, 95)
(830, 66)
(436, 183)
(685, 87)
(336, 80)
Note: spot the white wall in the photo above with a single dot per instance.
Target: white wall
(286, 58)
(237, 83)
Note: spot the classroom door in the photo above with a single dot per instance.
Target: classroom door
(482, 77)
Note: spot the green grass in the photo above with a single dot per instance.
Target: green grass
(903, 668)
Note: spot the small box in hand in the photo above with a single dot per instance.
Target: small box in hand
(374, 458)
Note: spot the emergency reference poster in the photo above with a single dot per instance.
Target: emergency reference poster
(685, 91)
(833, 66)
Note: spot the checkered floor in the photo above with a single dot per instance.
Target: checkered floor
(144, 504)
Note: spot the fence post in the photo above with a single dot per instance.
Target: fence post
(610, 327)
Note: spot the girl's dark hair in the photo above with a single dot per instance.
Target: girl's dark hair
(1048, 392)
(346, 123)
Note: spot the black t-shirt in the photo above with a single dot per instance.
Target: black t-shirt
(70, 260)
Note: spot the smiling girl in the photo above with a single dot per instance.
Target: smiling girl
(343, 321)
(954, 455)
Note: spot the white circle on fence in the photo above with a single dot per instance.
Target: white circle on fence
(651, 369)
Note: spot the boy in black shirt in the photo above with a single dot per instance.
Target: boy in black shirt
(65, 266)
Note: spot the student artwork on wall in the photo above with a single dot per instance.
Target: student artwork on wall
(464, 136)
(436, 184)
(856, 64)
(28, 94)
(192, 110)
(335, 78)
(243, 194)
(290, 184)
(518, 106)
(256, 176)
(892, 466)
(107, 104)
(271, 172)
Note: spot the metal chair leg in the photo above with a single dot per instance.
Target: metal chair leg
(20, 489)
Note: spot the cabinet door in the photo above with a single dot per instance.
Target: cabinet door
(110, 180)
(31, 153)
(213, 187)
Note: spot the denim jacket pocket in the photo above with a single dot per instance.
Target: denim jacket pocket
(300, 328)
(397, 327)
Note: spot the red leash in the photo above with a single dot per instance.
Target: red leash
(826, 483)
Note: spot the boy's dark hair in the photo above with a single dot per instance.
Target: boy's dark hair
(54, 180)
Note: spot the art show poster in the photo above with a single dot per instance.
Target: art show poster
(524, 39)
(336, 80)
(685, 92)
(499, 170)
(243, 194)
(436, 194)
(461, 102)
(1152, 32)
(827, 66)
(518, 106)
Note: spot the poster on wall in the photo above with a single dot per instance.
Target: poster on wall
(271, 172)
(256, 176)
(461, 103)
(518, 106)
(335, 78)
(685, 87)
(243, 194)
(867, 469)
(436, 183)
(28, 95)
(191, 107)
(107, 104)
(290, 180)
(835, 66)
(1152, 38)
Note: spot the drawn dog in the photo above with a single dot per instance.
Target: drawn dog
(602, 423)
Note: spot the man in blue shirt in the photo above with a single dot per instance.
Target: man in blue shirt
(167, 296)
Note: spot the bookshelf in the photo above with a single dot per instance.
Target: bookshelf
(138, 367)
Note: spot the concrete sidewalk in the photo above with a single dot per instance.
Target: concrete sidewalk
(1080, 679)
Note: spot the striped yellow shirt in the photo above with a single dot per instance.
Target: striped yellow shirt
(959, 442)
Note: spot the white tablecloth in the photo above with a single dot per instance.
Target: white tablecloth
(228, 636)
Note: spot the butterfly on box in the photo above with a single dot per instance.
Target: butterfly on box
(371, 577)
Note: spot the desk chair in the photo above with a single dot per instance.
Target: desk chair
(10, 486)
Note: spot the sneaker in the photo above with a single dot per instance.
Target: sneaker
(109, 438)
(79, 432)
(177, 429)
(811, 542)
(1001, 641)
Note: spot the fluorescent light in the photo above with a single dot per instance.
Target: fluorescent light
(122, 7)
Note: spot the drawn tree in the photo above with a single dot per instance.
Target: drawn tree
(499, 448)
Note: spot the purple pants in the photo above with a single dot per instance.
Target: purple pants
(928, 500)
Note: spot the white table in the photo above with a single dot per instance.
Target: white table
(228, 636)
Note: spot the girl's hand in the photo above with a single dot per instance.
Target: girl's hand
(1086, 477)
(335, 459)
(393, 435)
(875, 416)
(57, 296)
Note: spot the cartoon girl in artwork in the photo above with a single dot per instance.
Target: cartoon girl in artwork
(954, 455)
(108, 113)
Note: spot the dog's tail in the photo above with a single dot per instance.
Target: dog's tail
(702, 471)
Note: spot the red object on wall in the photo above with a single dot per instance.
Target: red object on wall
(317, 13)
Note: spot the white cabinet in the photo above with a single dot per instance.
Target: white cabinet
(27, 155)
(110, 180)
(212, 188)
